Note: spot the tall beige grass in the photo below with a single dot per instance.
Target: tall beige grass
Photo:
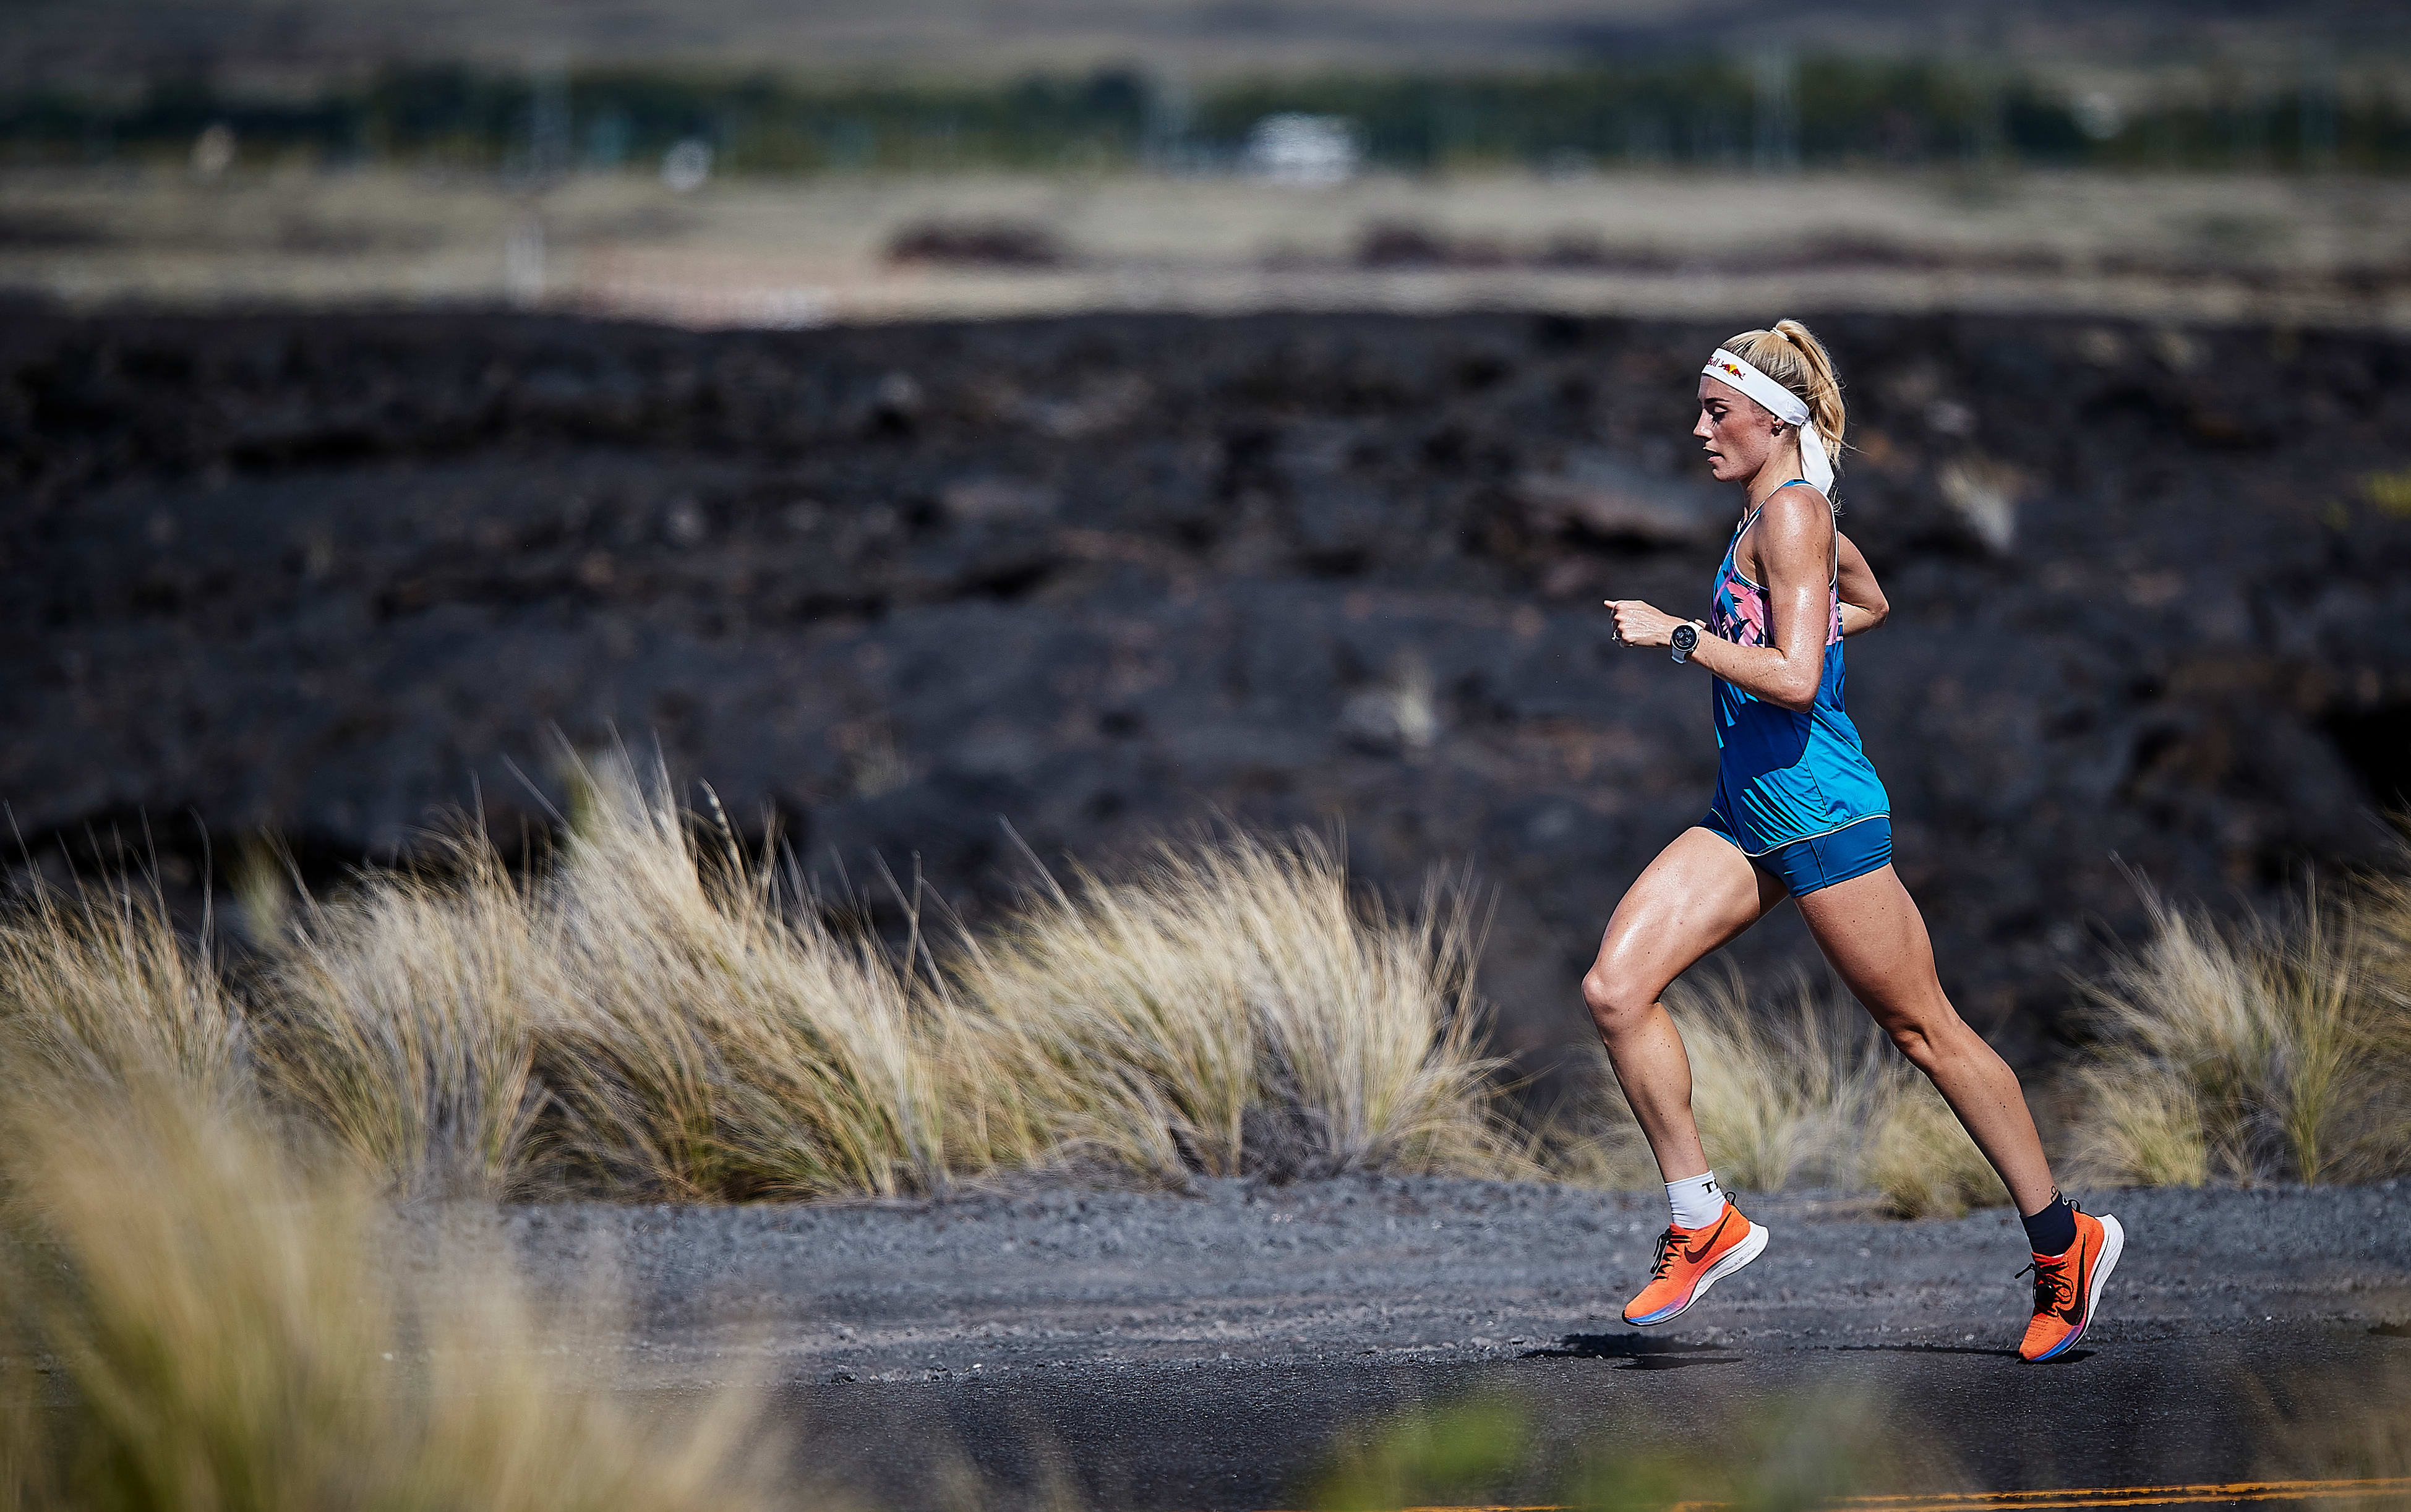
(2268, 1050)
(716, 1045)
(1796, 1087)
(643, 1014)
(97, 991)
(1238, 1006)
(220, 1334)
(402, 1018)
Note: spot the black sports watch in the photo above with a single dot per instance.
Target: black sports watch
(1685, 640)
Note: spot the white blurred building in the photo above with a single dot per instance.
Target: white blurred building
(1307, 150)
(687, 166)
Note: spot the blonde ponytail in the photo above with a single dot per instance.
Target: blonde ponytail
(1791, 355)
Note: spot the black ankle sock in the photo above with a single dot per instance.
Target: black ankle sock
(2053, 1229)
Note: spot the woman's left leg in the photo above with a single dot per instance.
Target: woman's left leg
(1869, 928)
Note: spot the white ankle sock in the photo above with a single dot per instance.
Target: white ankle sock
(1696, 1200)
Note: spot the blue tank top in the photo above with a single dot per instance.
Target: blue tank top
(1784, 775)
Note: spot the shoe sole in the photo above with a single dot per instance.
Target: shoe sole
(1752, 1245)
(2113, 1243)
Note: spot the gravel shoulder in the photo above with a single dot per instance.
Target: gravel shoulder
(1368, 1270)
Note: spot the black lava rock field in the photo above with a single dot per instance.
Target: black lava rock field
(1096, 577)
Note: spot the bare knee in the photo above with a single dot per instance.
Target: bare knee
(1616, 1005)
(1912, 1040)
(1924, 1037)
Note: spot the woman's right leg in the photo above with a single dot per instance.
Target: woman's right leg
(1700, 893)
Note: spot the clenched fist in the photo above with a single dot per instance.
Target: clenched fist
(1642, 624)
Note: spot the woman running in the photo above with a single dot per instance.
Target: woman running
(1800, 811)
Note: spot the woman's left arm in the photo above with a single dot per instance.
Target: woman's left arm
(1864, 604)
(1795, 532)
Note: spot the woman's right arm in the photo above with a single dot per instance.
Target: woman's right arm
(1864, 604)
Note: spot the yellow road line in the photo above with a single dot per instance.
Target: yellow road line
(2059, 1500)
(2240, 1491)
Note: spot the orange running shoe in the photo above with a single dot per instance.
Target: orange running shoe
(1689, 1261)
(2067, 1288)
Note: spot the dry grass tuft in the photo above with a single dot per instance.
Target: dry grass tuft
(221, 1335)
(1804, 1089)
(1922, 1160)
(2264, 1052)
(717, 1045)
(1235, 1007)
(97, 991)
(1784, 1094)
(646, 1016)
(402, 1020)
(2140, 1124)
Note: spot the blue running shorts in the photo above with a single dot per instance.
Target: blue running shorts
(1803, 866)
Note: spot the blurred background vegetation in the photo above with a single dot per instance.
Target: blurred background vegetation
(1767, 109)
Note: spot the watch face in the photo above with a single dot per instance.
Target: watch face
(1685, 637)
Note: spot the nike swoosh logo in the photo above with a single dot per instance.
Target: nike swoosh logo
(2073, 1313)
(1696, 1255)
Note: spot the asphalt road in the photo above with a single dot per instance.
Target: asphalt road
(2286, 1401)
(1146, 1351)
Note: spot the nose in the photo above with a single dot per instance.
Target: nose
(1700, 427)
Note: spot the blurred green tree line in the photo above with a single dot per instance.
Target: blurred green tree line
(1765, 111)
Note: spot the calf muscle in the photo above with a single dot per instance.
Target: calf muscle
(1871, 932)
(1700, 893)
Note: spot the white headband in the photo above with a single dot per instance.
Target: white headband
(1785, 406)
